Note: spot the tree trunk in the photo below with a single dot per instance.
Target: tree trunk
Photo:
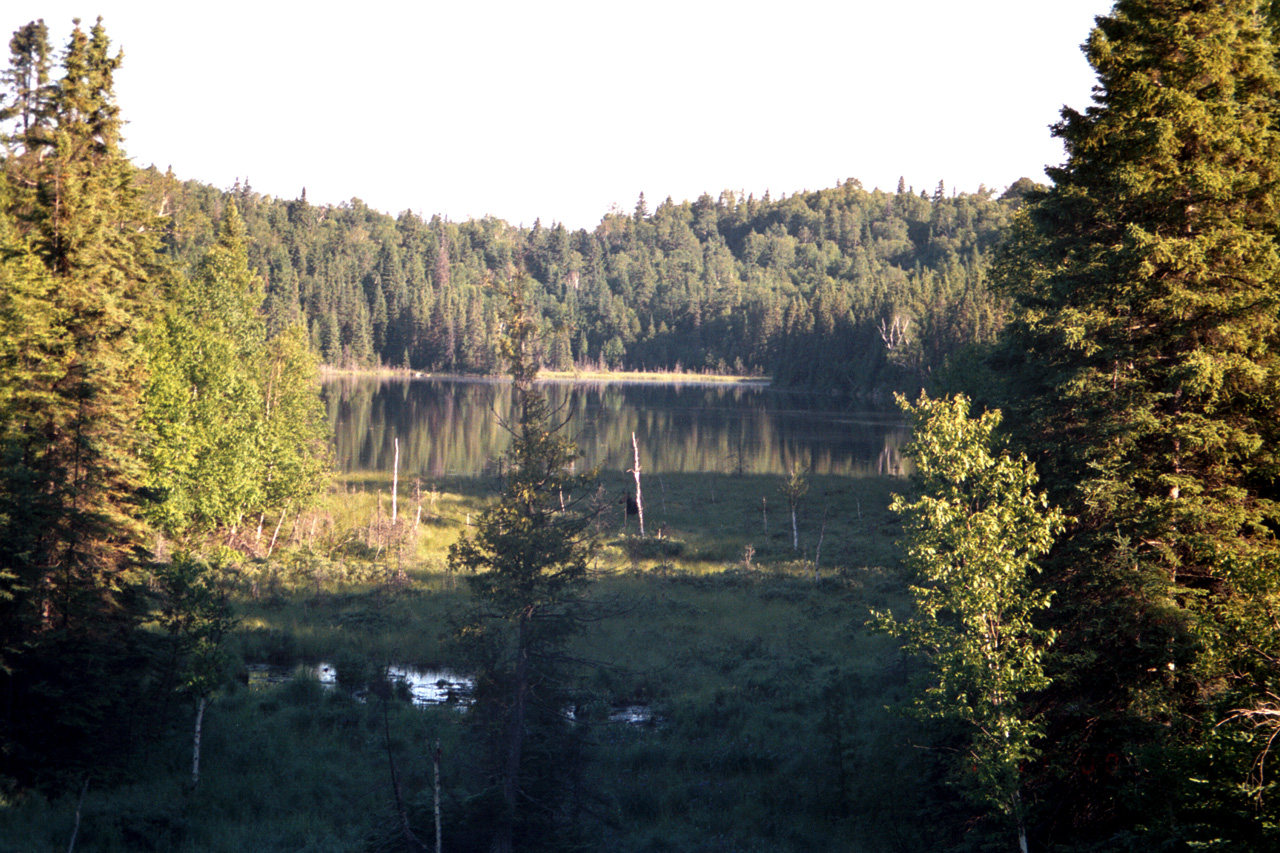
(817, 553)
(279, 524)
(406, 830)
(75, 830)
(437, 803)
(639, 500)
(1022, 826)
(504, 836)
(195, 749)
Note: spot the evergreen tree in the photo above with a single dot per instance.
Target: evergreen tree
(30, 342)
(78, 248)
(1143, 379)
(76, 457)
(528, 565)
(28, 77)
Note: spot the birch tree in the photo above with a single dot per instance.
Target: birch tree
(973, 533)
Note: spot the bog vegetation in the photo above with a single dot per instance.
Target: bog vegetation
(973, 664)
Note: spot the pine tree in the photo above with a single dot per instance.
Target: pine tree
(30, 343)
(28, 77)
(1143, 378)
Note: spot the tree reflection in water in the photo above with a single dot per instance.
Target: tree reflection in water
(454, 427)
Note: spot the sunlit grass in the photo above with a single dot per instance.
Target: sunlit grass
(753, 655)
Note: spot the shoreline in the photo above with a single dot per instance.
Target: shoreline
(631, 376)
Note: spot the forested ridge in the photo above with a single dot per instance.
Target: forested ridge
(843, 288)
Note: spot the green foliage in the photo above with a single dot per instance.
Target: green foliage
(529, 554)
(1142, 370)
(769, 734)
(196, 613)
(96, 385)
(973, 535)
(236, 417)
(528, 568)
(27, 77)
(75, 253)
(794, 487)
(798, 287)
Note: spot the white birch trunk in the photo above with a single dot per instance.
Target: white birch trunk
(279, 524)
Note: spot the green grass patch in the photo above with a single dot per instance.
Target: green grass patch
(763, 690)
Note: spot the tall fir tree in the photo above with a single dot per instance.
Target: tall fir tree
(80, 249)
(529, 568)
(1142, 366)
(27, 77)
(76, 208)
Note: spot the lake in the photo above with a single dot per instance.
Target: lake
(454, 427)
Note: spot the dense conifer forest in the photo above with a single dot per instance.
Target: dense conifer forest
(844, 288)
(1073, 608)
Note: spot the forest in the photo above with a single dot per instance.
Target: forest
(893, 285)
(1061, 633)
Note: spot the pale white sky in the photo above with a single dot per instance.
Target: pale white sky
(560, 109)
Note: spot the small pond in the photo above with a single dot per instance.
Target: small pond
(427, 686)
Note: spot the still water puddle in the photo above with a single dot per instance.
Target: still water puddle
(427, 686)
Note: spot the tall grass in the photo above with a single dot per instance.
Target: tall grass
(767, 695)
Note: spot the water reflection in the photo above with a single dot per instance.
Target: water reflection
(451, 427)
(426, 687)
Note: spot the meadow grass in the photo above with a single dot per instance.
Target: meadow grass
(765, 690)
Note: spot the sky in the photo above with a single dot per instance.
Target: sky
(561, 110)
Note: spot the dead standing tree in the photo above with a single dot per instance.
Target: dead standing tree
(894, 333)
(635, 448)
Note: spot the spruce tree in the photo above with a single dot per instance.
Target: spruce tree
(528, 564)
(75, 209)
(79, 253)
(1143, 379)
(27, 77)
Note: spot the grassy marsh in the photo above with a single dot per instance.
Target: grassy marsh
(767, 693)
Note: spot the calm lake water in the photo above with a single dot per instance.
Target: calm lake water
(454, 427)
